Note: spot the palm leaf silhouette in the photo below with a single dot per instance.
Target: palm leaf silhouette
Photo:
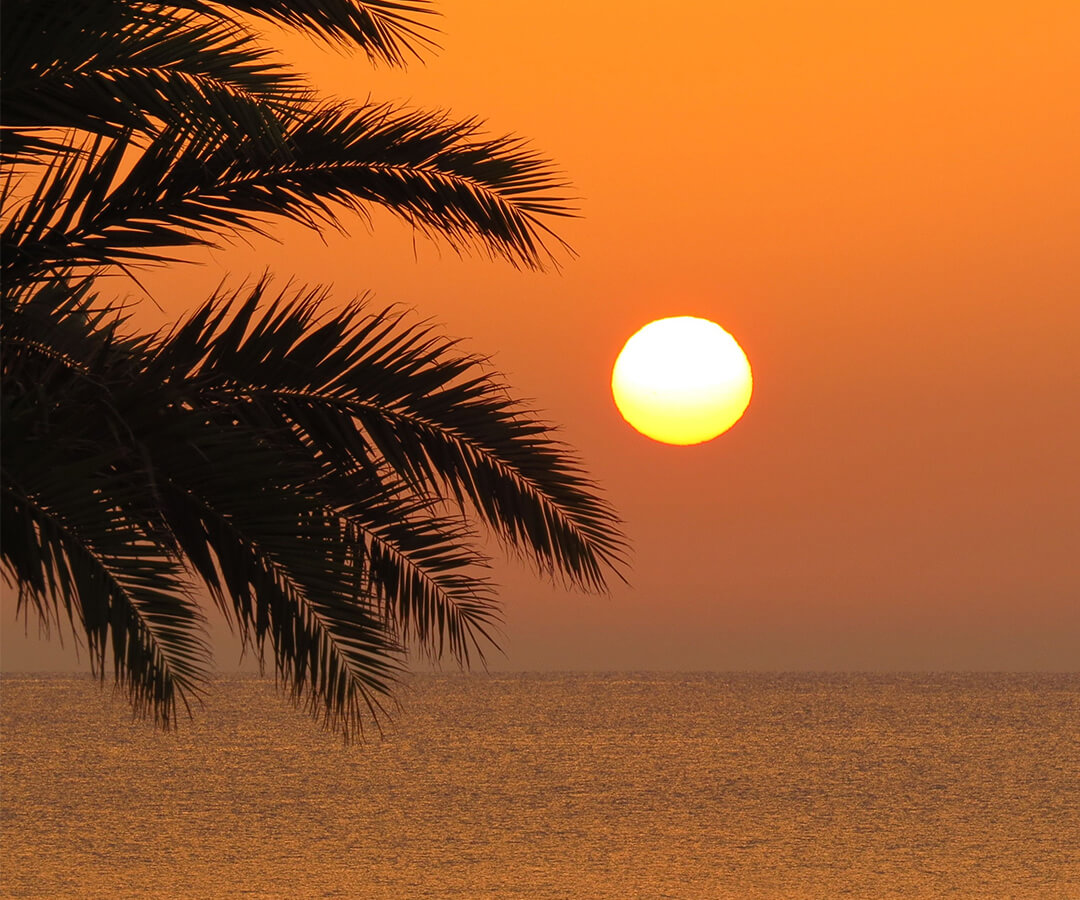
(107, 67)
(441, 176)
(305, 464)
(328, 476)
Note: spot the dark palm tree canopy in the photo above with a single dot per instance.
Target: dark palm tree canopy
(326, 474)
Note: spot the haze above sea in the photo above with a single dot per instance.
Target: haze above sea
(554, 786)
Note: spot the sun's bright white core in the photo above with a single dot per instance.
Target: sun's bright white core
(682, 380)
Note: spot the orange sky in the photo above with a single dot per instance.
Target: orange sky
(881, 202)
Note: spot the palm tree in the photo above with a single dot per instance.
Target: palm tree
(324, 474)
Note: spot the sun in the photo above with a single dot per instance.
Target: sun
(682, 380)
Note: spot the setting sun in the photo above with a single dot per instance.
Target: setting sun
(682, 380)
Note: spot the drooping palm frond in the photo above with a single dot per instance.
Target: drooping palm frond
(107, 67)
(365, 389)
(22, 149)
(442, 176)
(70, 543)
(73, 547)
(366, 393)
(389, 31)
(117, 487)
(311, 468)
(277, 559)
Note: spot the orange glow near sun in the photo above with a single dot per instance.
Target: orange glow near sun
(682, 380)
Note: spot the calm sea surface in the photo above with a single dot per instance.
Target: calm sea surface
(545, 786)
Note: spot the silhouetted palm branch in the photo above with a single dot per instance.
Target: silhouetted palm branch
(388, 31)
(368, 391)
(68, 540)
(297, 461)
(322, 474)
(442, 176)
(107, 68)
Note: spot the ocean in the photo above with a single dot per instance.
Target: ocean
(554, 786)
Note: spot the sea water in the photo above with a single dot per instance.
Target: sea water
(554, 786)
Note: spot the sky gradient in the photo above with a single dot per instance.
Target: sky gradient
(881, 203)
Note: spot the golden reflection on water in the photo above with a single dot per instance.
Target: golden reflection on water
(555, 786)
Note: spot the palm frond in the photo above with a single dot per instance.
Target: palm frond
(73, 534)
(21, 149)
(131, 603)
(246, 514)
(424, 572)
(114, 482)
(368, 390)
(389, 31)
(441, 176)
(107, 67)
(417, 564)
